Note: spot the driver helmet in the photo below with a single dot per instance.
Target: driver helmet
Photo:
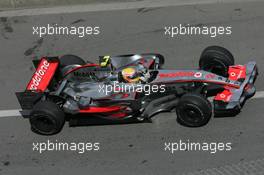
(130, 75)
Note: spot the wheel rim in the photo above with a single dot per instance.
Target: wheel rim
(44, 124)
(191, 114)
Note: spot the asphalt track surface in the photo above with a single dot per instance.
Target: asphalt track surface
(134, 148)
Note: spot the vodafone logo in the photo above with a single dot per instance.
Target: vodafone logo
(198, 75)
(39, 74)
(222, 95)
(226, 97)
(233, 74)
(210, 76)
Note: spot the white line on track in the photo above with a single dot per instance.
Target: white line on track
(7, 113)
(259, 94)
(111, 7)
(15, 112)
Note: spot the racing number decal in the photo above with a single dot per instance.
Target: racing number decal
(105, 61)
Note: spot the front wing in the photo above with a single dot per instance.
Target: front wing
(231, 100)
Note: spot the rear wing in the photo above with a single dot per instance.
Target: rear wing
(45, 71)
(46, 68)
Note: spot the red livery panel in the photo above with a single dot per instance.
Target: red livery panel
(177, 74)
(224, 96)
(94, 109)
(42, 76)
(237, 72)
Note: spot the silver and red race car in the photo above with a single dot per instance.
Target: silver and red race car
(69, 89)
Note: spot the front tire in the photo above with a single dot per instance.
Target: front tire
(217, 60)
(193, 110)
(160, 57)
(46, 118)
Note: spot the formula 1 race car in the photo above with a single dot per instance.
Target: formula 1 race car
(134, 87)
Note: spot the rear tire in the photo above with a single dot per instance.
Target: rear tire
(46, 118)
(193, 110)
(67, 60)
(217, 60)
